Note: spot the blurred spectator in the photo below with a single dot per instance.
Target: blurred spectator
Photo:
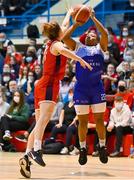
(130, 43)
(40, 52)
(31, 51)
(23, 77)
(129, 16)
(28, 88)
(4, 106)
(65, 85)
(110, 79)
(123, 39)
(68, 96)
(1, 65)
(113, 48)
(123, 71)
(67, 124)
(16, 55)
(111, 32)
(73, 69)
(124, 93)
(30, 60)
(10, 50)
(129, 50)
(129, 55)
(12, 87)
(7, 75)
(15, 66)
(4, 44)
(109, 59)
(73, 81)
(16, 117)
(53, 121)
(37, 72)
(71, 130)
(16, 7)
(120, 119)
(131, 82)
(131, 66)
(68, 70)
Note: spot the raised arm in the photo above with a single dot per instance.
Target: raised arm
(66, 22)
(102, 30)
(71, 43)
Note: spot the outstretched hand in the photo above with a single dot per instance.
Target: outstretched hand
(84, 64)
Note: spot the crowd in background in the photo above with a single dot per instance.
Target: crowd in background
(19, 72)
(15, 7)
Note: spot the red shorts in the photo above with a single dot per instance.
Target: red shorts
(45, 91)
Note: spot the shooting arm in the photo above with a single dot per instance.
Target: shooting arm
(67, 37)
(102, 30)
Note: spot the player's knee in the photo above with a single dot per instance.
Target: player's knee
(84, 118)
(82, 122)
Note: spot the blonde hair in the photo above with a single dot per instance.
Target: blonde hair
(51, 30)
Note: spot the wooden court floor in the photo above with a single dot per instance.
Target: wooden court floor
(61, 167)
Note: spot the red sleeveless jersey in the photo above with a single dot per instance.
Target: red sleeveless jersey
(47, 87)
(54, 66)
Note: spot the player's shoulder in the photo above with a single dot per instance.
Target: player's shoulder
(79, 45)
(98, 47)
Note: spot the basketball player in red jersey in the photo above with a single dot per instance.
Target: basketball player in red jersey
(46, 92)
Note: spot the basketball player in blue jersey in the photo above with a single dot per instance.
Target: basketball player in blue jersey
(89, 91)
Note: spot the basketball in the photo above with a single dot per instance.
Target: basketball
(81, 13)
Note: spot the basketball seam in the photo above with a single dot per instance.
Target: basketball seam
(79, 12)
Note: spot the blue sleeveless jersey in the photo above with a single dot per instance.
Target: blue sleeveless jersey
(89, 87)
(94, 56)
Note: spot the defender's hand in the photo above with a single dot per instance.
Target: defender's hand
(84, 64)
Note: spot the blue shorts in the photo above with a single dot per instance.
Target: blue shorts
(89, 95)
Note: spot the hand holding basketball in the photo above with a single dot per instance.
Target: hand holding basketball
(70, 11)
(81, 13)
(92, 14)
